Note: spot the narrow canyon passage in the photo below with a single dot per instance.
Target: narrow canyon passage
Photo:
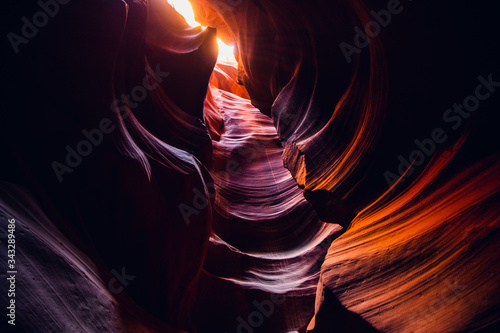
(250, 166)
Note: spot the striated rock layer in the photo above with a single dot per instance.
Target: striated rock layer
(305, 188)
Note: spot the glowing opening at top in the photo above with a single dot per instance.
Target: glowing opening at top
(183, 7)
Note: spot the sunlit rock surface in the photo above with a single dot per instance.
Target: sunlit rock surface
(251, 196)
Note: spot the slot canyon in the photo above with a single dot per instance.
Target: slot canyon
(250, 166)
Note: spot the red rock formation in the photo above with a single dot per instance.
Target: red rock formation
(251, 197)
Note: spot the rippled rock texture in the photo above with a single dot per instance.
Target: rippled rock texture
(341, 176)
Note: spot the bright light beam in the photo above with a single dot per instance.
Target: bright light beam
(226, 52)
(183, 7)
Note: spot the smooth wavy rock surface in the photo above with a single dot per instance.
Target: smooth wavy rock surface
(303, 188)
